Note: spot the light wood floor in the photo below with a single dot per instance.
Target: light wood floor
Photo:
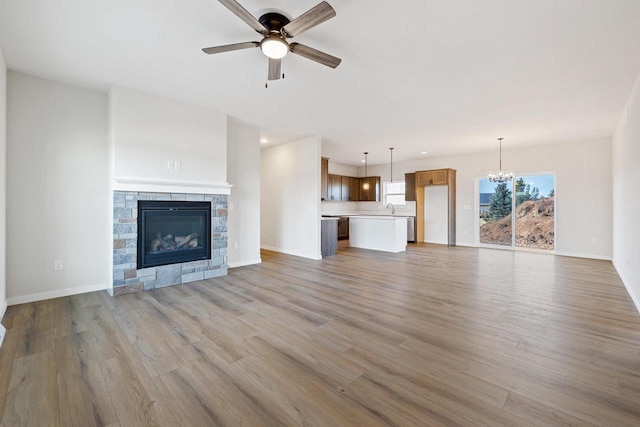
(433, 336)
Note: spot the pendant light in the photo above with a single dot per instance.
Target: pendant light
(365, 184)
(500, 176)
(391, 164)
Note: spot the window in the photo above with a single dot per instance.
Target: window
(394, 193)
(518, 213)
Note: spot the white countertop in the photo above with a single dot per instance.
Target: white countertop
(356, 214)
(379, 217)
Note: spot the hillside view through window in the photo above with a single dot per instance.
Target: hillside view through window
(530, 200)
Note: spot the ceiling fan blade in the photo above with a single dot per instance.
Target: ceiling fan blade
(229, 47)
(275, 69)
(314, 16)
(314, 55)
(242, 13)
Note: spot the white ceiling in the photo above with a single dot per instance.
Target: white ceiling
(443, 76)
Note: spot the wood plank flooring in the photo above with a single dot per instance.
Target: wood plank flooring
(436, 336)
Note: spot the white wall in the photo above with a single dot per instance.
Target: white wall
(339, 169)
(290, 198)
(149, 131)
(3, 182)
(243, 166)
(626, 203)
(57, 182)
(583, 189)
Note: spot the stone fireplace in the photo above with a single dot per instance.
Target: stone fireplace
(180, 246)
(173, 231)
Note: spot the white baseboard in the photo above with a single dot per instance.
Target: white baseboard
(625, 282)
(284, 251)
(243, 263)
(23, 299)
(3, 330)
(589, 256)
(467, 245)
(569, 254)
(3, 310)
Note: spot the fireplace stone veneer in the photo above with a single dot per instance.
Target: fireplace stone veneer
(127, 278)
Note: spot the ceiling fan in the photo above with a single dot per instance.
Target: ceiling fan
(276, 29)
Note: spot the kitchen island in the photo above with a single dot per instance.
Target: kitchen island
(378, 232)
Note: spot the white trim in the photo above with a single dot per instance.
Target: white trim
(3, 310)
(537, 251)
(283, 251)
(170, 186)
(466, 245)
(589, 256)
(56, 294)
(633, 296)
(244, 263)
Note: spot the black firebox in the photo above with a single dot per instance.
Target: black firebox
(171, 232)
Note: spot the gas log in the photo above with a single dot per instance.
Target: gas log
(170, 242)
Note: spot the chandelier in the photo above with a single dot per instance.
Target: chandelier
(500, 176)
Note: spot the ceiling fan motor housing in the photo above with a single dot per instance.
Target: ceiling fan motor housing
(273, 21)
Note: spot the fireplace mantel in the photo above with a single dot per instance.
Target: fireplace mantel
(170, 186)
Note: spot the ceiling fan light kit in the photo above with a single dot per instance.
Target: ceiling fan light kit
(274, 46)
(276, 28)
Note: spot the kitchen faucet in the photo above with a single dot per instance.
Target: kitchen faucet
(393, 209)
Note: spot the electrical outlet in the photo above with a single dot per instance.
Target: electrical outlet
(595, 241)
(235, 245)
(58, 264)
(170, 165)
(177, 165)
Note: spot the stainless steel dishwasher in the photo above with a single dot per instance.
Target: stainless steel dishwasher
(411, 229)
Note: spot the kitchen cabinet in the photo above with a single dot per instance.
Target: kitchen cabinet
(345, 188)
(334, 187)
(432, 177)
(372, 194)
(324, 178)
(343, 228)
(354, 189)
(410, 187)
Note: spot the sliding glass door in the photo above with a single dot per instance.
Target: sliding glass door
(518, 213)
(496, 220)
